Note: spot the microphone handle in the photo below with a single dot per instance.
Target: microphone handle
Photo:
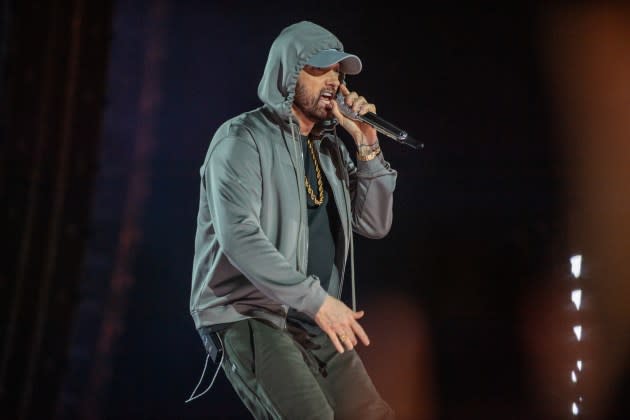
(382, 126)
(390, 130)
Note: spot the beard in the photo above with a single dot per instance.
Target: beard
(309, 105)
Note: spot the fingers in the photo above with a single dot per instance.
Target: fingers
(340, 324)
(358, 103)
(349, 337)
(350, 126)
(335, 340)
(337, 112)
(361, 132)
(360, 332)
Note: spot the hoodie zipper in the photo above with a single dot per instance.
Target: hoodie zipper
(301, 197)
(345, 213)
(303, 207)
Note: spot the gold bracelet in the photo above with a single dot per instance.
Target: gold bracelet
(375, 151)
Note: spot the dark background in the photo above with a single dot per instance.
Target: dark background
(102, 192)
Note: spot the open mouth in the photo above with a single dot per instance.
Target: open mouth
(327, 95)
(326, 98)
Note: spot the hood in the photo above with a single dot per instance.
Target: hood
(293, 47)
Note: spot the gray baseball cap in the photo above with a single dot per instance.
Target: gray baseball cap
(350, 63)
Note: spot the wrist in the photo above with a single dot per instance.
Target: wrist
(367, 152)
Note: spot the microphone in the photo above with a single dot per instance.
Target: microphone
(381, 125)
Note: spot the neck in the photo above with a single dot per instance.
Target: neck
(306, 124)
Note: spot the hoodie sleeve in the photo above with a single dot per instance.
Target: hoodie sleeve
(372, 185)
(232, 179)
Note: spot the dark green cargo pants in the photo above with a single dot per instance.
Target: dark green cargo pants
(288, 374)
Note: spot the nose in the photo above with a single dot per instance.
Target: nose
(334, 79)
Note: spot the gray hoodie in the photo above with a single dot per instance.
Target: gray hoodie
(251, 245)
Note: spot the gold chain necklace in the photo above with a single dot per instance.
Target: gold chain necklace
(318, 174)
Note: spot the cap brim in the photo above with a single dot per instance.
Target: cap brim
(350, 63)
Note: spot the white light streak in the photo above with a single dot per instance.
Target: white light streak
(579, 365)
(576, 298)
(576, 265)
(575, 409)
(578, 332)
(573, 377)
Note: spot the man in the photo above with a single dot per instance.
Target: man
(280, 196)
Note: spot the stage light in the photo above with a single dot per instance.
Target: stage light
(575, 409)
(578, 332)
(576, 298)
(576, 265)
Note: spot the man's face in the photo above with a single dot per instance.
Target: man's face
(315, 91)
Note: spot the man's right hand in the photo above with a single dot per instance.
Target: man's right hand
(340, 323)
